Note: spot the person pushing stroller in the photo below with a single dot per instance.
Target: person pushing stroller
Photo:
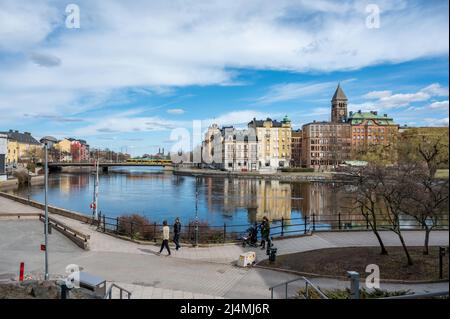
(252, 236)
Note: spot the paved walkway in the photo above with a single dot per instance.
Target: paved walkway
(101, 242)
(203, 272)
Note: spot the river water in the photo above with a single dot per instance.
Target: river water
(161, 195)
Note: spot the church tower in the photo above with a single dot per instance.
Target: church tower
(339, 106)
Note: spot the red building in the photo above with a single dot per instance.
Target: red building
(79, 150)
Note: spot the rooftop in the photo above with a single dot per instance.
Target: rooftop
(24, 137)
(359, 117)
(339, 94)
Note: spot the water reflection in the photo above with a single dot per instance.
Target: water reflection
(160, 195)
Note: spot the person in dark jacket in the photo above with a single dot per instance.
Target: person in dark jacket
(176, 233)
(265, 232)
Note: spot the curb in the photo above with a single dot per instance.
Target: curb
(387, 281)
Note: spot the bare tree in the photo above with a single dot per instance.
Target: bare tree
(428, 203)
(364, 191)
(394, 189)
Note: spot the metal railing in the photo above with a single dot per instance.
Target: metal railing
(121, 290)
(201, 232)
(308, 284)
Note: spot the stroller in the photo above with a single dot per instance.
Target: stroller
(251, 237)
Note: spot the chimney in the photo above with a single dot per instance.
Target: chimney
(359, 111)
(10, 131)
(385, 115)
(16, 131)
(27, 133)
(351, 113)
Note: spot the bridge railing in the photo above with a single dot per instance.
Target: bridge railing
(197, 232)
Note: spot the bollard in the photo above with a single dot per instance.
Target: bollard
(273, 254)
(441, 255)
(354, 284)
(22, 267)
(49, 228)
(64, 291)
(224, 232)
(305, 225)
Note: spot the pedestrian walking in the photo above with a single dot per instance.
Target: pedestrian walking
(165, 242)
(176, 233)
(265, 232)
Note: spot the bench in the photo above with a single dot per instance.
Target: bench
(93, 283)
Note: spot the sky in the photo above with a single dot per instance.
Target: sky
(136, 74)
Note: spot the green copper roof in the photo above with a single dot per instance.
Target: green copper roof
(286, 119)
(360, 117)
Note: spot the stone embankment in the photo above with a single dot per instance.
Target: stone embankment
(287, 177)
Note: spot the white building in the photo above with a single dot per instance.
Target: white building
(230, 148)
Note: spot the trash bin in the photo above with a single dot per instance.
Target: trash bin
(273, 254)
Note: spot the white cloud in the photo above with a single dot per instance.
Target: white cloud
(436, 90)
(387, 100)
(292, 91)
(175, 111)
(239, 118)
(163, 44)
(439, 105)
(436, 122)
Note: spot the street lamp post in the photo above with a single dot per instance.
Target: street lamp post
(46, 207)
(196, 211)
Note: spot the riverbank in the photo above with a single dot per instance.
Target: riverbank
(14, 182)
(281, 176)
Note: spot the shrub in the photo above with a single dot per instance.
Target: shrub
(206, 233)
(297, 170)
(137, 226)
(346, 293)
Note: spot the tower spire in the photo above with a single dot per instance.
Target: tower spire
(339, 106)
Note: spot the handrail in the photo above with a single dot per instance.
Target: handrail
(108, 294)
(65, 227)
(307, 284)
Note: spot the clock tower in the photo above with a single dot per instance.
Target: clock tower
(339, 106)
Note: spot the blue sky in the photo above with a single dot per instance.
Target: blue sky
(135, 72)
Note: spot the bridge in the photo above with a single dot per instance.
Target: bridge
(105, 165)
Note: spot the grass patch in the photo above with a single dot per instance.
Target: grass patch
(337, 261)
(442, 173)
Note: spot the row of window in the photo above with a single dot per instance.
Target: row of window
(369, 130)
(369, 137)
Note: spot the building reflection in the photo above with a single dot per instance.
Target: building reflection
(276, 199)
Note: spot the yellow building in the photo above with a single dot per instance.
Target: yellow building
(274, 142)
(63, 146)
(22, 147)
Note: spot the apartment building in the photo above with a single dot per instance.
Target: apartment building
(274, 143)
(326, 144)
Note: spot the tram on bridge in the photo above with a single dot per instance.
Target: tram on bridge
(150, 161)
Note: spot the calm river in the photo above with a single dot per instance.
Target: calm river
(159, 195)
